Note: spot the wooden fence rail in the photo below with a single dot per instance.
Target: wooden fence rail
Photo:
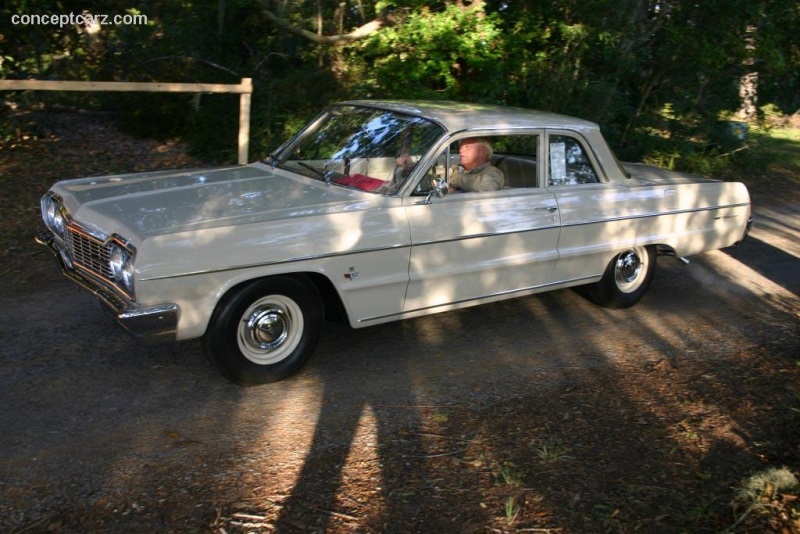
(244, 89)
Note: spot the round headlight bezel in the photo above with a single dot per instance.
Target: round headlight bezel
(120, 261)
(58, 221)
(117, 259)
(53, 215)
(127, 276)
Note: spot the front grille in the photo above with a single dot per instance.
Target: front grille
(89, 253)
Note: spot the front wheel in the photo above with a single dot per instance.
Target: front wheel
(626, 278)
(265, 330)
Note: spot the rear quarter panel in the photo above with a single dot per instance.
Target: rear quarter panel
(600, 220)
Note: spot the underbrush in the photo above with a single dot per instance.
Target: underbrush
(767, 161)
(774, 151)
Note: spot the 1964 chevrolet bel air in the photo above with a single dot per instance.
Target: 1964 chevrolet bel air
(351, 219)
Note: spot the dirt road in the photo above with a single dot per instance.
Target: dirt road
(543, 413)
(99, 432)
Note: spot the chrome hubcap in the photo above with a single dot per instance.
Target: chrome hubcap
(628, 267)
(267, 328)
(270, 329)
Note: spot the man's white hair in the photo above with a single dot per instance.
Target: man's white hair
(485, 144)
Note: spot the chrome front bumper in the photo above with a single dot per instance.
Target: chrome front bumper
(148, 325)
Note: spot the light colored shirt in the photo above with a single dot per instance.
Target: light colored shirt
(486, 177)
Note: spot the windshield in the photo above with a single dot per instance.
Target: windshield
(367, 149)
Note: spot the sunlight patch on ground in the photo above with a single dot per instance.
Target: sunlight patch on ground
(297, 400)
(363, 465)
(736, 276)
(779, 227)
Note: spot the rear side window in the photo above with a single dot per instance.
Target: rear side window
(569, 163)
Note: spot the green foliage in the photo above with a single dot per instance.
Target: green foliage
(511, 510)
(656, 75)
(448, 54)
(508, 475)
(551, 451)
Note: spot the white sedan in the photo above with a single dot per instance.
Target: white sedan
(369, 215)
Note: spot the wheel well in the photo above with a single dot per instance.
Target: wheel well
(334, 307)
(665, 250)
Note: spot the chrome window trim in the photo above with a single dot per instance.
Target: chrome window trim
(602, 177)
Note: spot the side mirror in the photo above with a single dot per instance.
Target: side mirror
(440, 189)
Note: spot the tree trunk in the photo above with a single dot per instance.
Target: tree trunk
(341, 39)
(748, 83)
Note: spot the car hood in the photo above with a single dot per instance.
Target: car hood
(137, 206)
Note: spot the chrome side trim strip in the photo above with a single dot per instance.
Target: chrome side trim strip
(658, 214)
(426, 243)
(278, 262)
(487, 234)
(338, 254)
(508, 293)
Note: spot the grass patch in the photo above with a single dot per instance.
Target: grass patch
(552, 451)
(768, 499)
(511, 510)
(768, 162)
(508, 475)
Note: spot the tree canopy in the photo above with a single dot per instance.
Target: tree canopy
(643, 69)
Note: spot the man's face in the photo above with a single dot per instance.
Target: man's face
(472, 154)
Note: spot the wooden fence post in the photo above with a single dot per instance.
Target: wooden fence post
(245, 90)
(244, 120)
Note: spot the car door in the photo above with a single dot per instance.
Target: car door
(593, 212)
(473, 247)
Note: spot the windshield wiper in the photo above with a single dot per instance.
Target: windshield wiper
(325, 176)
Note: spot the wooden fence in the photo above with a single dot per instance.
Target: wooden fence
(244, 89)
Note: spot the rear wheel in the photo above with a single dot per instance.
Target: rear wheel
(265, 331)
(626, 279)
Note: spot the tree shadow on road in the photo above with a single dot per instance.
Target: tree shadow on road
(584, 419)
(372, 424)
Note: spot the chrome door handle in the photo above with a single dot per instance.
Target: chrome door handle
(551, 209)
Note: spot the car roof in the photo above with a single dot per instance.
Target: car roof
(459, 116)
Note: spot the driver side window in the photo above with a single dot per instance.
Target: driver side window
(514, 157)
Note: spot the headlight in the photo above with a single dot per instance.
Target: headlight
(127, 276)
(58, 222)
(121, 266)
(117, 260)
(53, 218)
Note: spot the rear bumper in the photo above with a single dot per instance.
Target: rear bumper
(147, 324)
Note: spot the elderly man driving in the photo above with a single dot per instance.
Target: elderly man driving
(478, 173)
